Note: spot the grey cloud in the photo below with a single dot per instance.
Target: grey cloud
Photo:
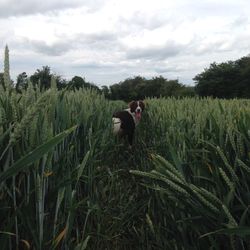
(100, 40)
(200, 46)
(29, 7)
(97, 41)
(100, 72)
(170, 49)
(99, 37)
(93, 65)
(240, 21)
(94, 40)
(167, 69)
(56, 49)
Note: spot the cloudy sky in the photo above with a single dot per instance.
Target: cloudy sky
(107, 41)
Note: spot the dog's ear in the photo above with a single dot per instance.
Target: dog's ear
(132, 106)
(130, 103)
(142, 104)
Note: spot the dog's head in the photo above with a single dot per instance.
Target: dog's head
(137, 108)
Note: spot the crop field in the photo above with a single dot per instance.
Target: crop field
(67, 183)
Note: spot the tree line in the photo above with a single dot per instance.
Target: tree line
(225, 80)
(42, 79)
(132, 88)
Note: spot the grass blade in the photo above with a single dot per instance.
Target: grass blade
(34, 155)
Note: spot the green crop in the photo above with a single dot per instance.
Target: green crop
(67, 183)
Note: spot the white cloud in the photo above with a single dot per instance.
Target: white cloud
(108, 40)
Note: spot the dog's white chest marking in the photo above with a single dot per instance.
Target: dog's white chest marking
(116, 125)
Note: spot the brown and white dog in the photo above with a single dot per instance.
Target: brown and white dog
(124, 122)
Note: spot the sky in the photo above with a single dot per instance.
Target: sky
(107, 41)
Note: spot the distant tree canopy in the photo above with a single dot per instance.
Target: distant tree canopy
(225, 80)
(139, 88)
(42, 77)
(22, 81)
(78, 82)
(131, 88)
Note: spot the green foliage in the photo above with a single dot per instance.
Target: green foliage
(42, 78)
(81, 188)
(78, 82)
(45, 79)
(22, 81)
(201, 186)
(41, 164)
(140, 88)
(225, 80)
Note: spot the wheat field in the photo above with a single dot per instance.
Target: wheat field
(67, 183)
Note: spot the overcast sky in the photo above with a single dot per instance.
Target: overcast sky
(107, 41)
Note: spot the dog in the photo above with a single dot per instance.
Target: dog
(125, 121)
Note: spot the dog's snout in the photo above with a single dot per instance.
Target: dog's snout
(138, 110)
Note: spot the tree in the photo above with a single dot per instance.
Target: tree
(129, 89)
(60, 82)
(155, 87)
(225, 80)
(187, 91)
(22, 81)
(42, 77)
(105, 90)
(140, 88)
(243, 66)
(77, 82)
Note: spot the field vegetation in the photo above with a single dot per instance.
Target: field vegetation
(67, 183)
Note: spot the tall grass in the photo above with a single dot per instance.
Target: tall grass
(202, 183)
(67, 183)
